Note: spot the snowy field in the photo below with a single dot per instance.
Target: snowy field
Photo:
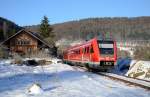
(60, 80)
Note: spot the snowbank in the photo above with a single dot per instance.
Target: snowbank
(133, 68)
(140, 69)
(4, 61)
(35, 89)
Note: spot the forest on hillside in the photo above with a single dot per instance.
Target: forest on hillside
(120, 28)
(7, 28)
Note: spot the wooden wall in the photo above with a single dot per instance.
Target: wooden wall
(23, 43)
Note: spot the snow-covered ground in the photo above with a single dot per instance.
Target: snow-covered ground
(60, 80)
(140, 70)
(133, 68)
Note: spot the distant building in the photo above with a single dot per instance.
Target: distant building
(25, 41)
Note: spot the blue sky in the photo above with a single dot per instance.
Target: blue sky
(30, 12)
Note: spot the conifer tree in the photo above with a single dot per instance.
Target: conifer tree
(48, 34)
(45, 28)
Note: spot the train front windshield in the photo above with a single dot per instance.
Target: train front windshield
(106, 47)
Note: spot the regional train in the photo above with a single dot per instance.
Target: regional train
(94, 54)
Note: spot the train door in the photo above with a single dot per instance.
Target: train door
(86, 54)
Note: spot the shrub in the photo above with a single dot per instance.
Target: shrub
(3, 53)
(122, 54)
(142, 53)
(37, 54)
(32, 63)
(42, 62)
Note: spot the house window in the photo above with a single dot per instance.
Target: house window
(26, 42)
(19, 42)
(23, 42)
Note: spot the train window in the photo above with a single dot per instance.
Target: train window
(91, 50)
(84, 50)
(77, 52)
(106, 47)
(74, 52)
(87, 51)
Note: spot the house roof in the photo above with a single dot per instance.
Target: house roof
(33, 34)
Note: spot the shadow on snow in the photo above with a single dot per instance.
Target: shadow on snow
(18, 81)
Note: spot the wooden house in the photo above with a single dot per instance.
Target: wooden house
(25, 41)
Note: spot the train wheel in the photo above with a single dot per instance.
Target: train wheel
(64, 62)
(105, 70)
(88, 67)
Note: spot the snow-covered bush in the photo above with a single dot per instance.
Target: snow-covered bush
(17, 59)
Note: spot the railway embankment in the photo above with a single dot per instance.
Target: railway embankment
(136, 69)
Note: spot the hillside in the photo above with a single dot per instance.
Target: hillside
(121, 28)
(7, 28)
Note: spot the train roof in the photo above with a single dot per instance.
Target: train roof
(89, 41)
(82, 43)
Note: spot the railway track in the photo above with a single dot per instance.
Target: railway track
(136, 82)
(79, 68)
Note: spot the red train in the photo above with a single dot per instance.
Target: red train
(93, 54)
